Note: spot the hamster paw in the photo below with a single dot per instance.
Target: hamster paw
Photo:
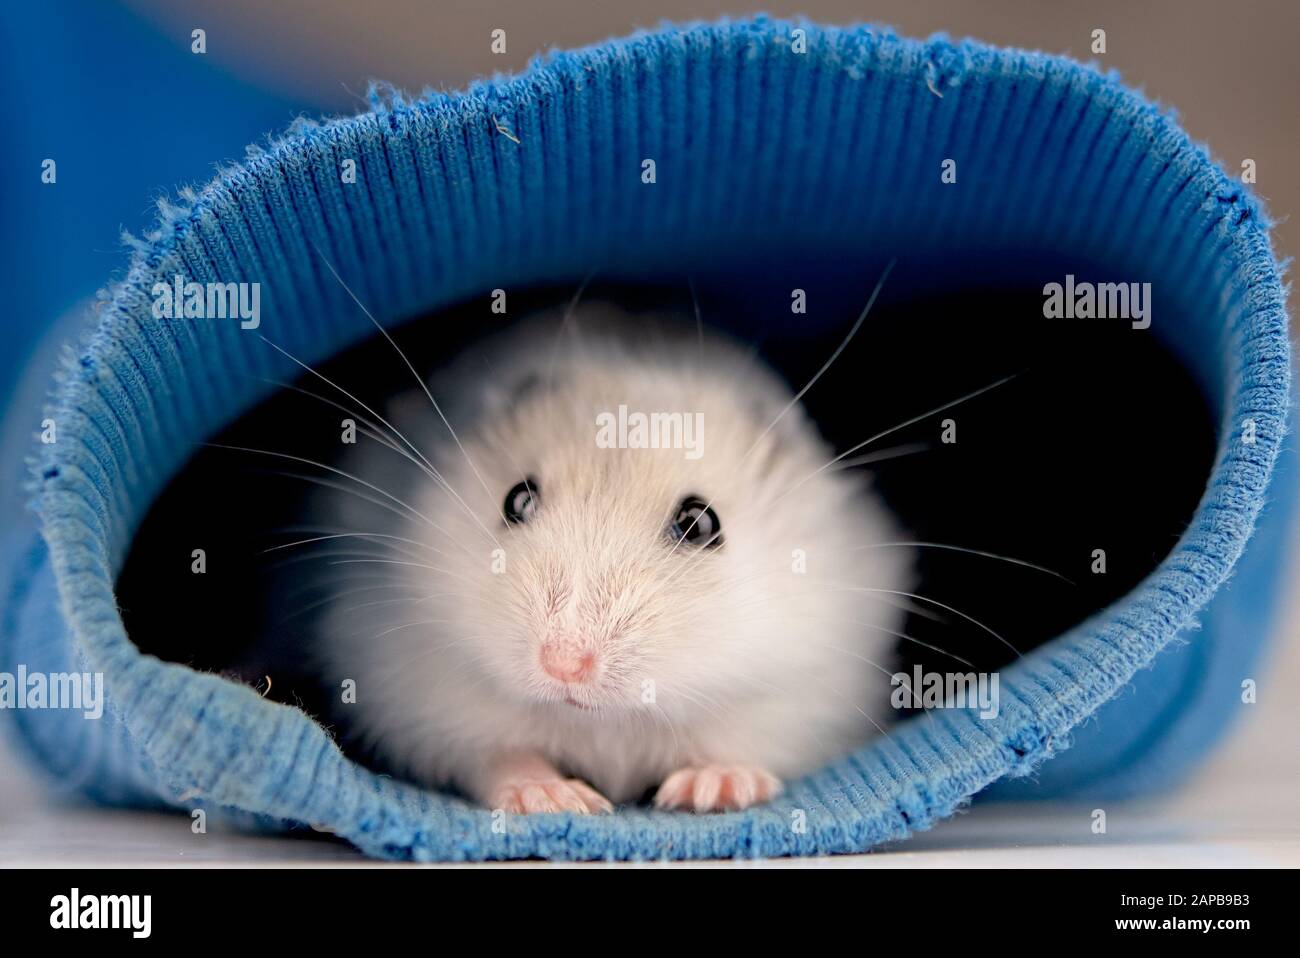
(525, 783)
(716, 788)
(528, 796)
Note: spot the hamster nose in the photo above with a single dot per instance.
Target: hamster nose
(566, 663)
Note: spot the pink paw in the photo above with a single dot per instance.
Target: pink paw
(715, 788)
(529, 796)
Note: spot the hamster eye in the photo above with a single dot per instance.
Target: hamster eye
(696, 524)
(522, 501)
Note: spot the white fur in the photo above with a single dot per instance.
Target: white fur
(748, 663)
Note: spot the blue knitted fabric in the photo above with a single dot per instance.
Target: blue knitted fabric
(758, 149)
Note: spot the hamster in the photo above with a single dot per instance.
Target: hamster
(606, 564)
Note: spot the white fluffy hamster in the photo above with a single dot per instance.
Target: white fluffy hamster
(548, 621)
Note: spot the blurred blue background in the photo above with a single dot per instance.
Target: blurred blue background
(127, 113)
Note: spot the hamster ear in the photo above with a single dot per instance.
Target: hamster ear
(788, 436)
(500, 396)
(495, 397)
(792, 423)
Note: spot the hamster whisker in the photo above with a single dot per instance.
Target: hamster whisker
(774, 596)
(438, 479)
(363, 535)
(897, 452)
(466, 666)
(336, 548)
(926, 645)
(893, 429)
(915, 609)
(389, 582)
(642, 719)
(350, 557)
(334, 596)
(893, 632)
(564, 323)
(407, 625)
(368, 558)
(705, 704)
(836, 586)
(861, 658)
(329, 382)
(442, 595)
(340, 407)
(327, 554)
(761, 683)
(780, 690)
(947, 608)
(657, 709)
(339, 487)
(325, 530)
(769, 596)
(322, 582)
(328, 468)
(699, 318)
(372, 432)
(433, 684)
(395, 431)
(853, 331)
(423, 385)
(686, 567)
(963, 549)
(437, 648)
(902, 678)
(414, 600)
(323, 551)
(840, 695)
(418, 565)
(369, 428)
(563, 326)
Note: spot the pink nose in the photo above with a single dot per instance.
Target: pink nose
(567, 663)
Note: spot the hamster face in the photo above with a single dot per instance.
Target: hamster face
(627, 561)
(620, 577)
(617, 588)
